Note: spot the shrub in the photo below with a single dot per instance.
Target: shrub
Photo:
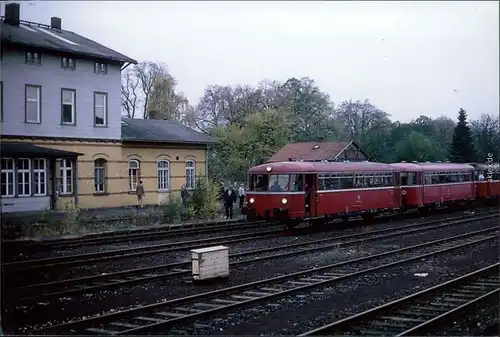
(172, 208)
(204, 199)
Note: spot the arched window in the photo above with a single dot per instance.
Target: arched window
(190, 174)
(133, 174)
(66, 183)
(100, 175)
(163, 175)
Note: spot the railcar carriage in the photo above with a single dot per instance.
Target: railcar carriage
(487, 180)
(411, 184)
(292, 192)
(447, 183)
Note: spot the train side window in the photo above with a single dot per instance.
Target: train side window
(404, 179)
(390, 179)
(412, 178)
(347, 181)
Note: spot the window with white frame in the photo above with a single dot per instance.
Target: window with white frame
(100, 108)
(99, 175)
(7, 177)
(190, 174)
(33, 103)
(40, 176)
(163, 175)
(100, 68)
(23, 177)
(68, 63)
(66, 179)
(133, 174)
(33, 58)
(68, 106)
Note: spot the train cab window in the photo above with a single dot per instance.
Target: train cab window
(258, 182)
(404, 179)
(278, 182)
(297, 182)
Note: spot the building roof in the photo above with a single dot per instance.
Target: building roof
(161, 131)
(311, 151)
(321, 167)
(27, 150)
(445, 167)
(41, 36)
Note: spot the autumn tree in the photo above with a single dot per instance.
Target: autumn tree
(462, 147)
(486, 135)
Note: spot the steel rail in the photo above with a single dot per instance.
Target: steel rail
(112, 280)
(89, 258)
(184, 309)
(420, 313)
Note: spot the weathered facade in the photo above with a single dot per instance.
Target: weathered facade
(61, 126)
(320, 151)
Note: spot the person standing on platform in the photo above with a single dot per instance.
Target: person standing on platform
(139, 190)
(229, 198)
(241, 194)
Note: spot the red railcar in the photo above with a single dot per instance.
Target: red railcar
(294, 191)
(429, 184)
(487, 178)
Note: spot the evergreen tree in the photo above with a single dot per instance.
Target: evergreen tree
(462, 147)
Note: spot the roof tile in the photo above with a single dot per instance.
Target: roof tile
(309, 151)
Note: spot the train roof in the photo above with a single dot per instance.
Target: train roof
(445, 167)
(320, 167)
(407, 167)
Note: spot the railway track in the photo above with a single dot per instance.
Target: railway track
(161, 317)
(90, 258)
(152, 233)
(425, 312)
(89, 284)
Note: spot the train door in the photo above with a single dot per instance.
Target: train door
(310, 188)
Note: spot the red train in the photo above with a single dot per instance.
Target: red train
(291, 192)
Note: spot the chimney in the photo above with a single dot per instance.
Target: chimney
(55, 23)
(12, 14)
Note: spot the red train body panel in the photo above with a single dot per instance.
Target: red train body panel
(294, 191)
(299, 190)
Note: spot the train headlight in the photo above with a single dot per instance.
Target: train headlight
(403, 192)
(252, 200)
(269, 168)
(284, 201)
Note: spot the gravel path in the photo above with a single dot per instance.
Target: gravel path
(109, 301)
(60, 273)
(297, 314)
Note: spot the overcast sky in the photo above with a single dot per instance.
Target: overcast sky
(408, 58)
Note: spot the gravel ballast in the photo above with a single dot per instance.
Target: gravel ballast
(60, 273)
(293, 315)
(133, 296)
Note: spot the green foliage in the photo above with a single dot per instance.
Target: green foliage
(204, 199)
(172, 208)
(418, 147)
(462, 147)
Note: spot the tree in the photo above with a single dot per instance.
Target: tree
(486, 134)
(130, 93)
(358, 117)
(462, 147)
(418, 147)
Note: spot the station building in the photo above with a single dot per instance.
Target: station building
(63, 140)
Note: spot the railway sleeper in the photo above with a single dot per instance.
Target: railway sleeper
(97, 331)
(457, 299)
(169, 314)
(188, 310)
(125, 325)
(390, 325)
(256, 293)
(218, 300)
(274, 290)
(415, 313)
(403, 319)
(207, 305)
(460, 295)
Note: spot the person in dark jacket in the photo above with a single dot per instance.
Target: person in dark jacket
(229, 198)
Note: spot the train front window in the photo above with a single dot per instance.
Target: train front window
(278, 182)
(258, 182)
